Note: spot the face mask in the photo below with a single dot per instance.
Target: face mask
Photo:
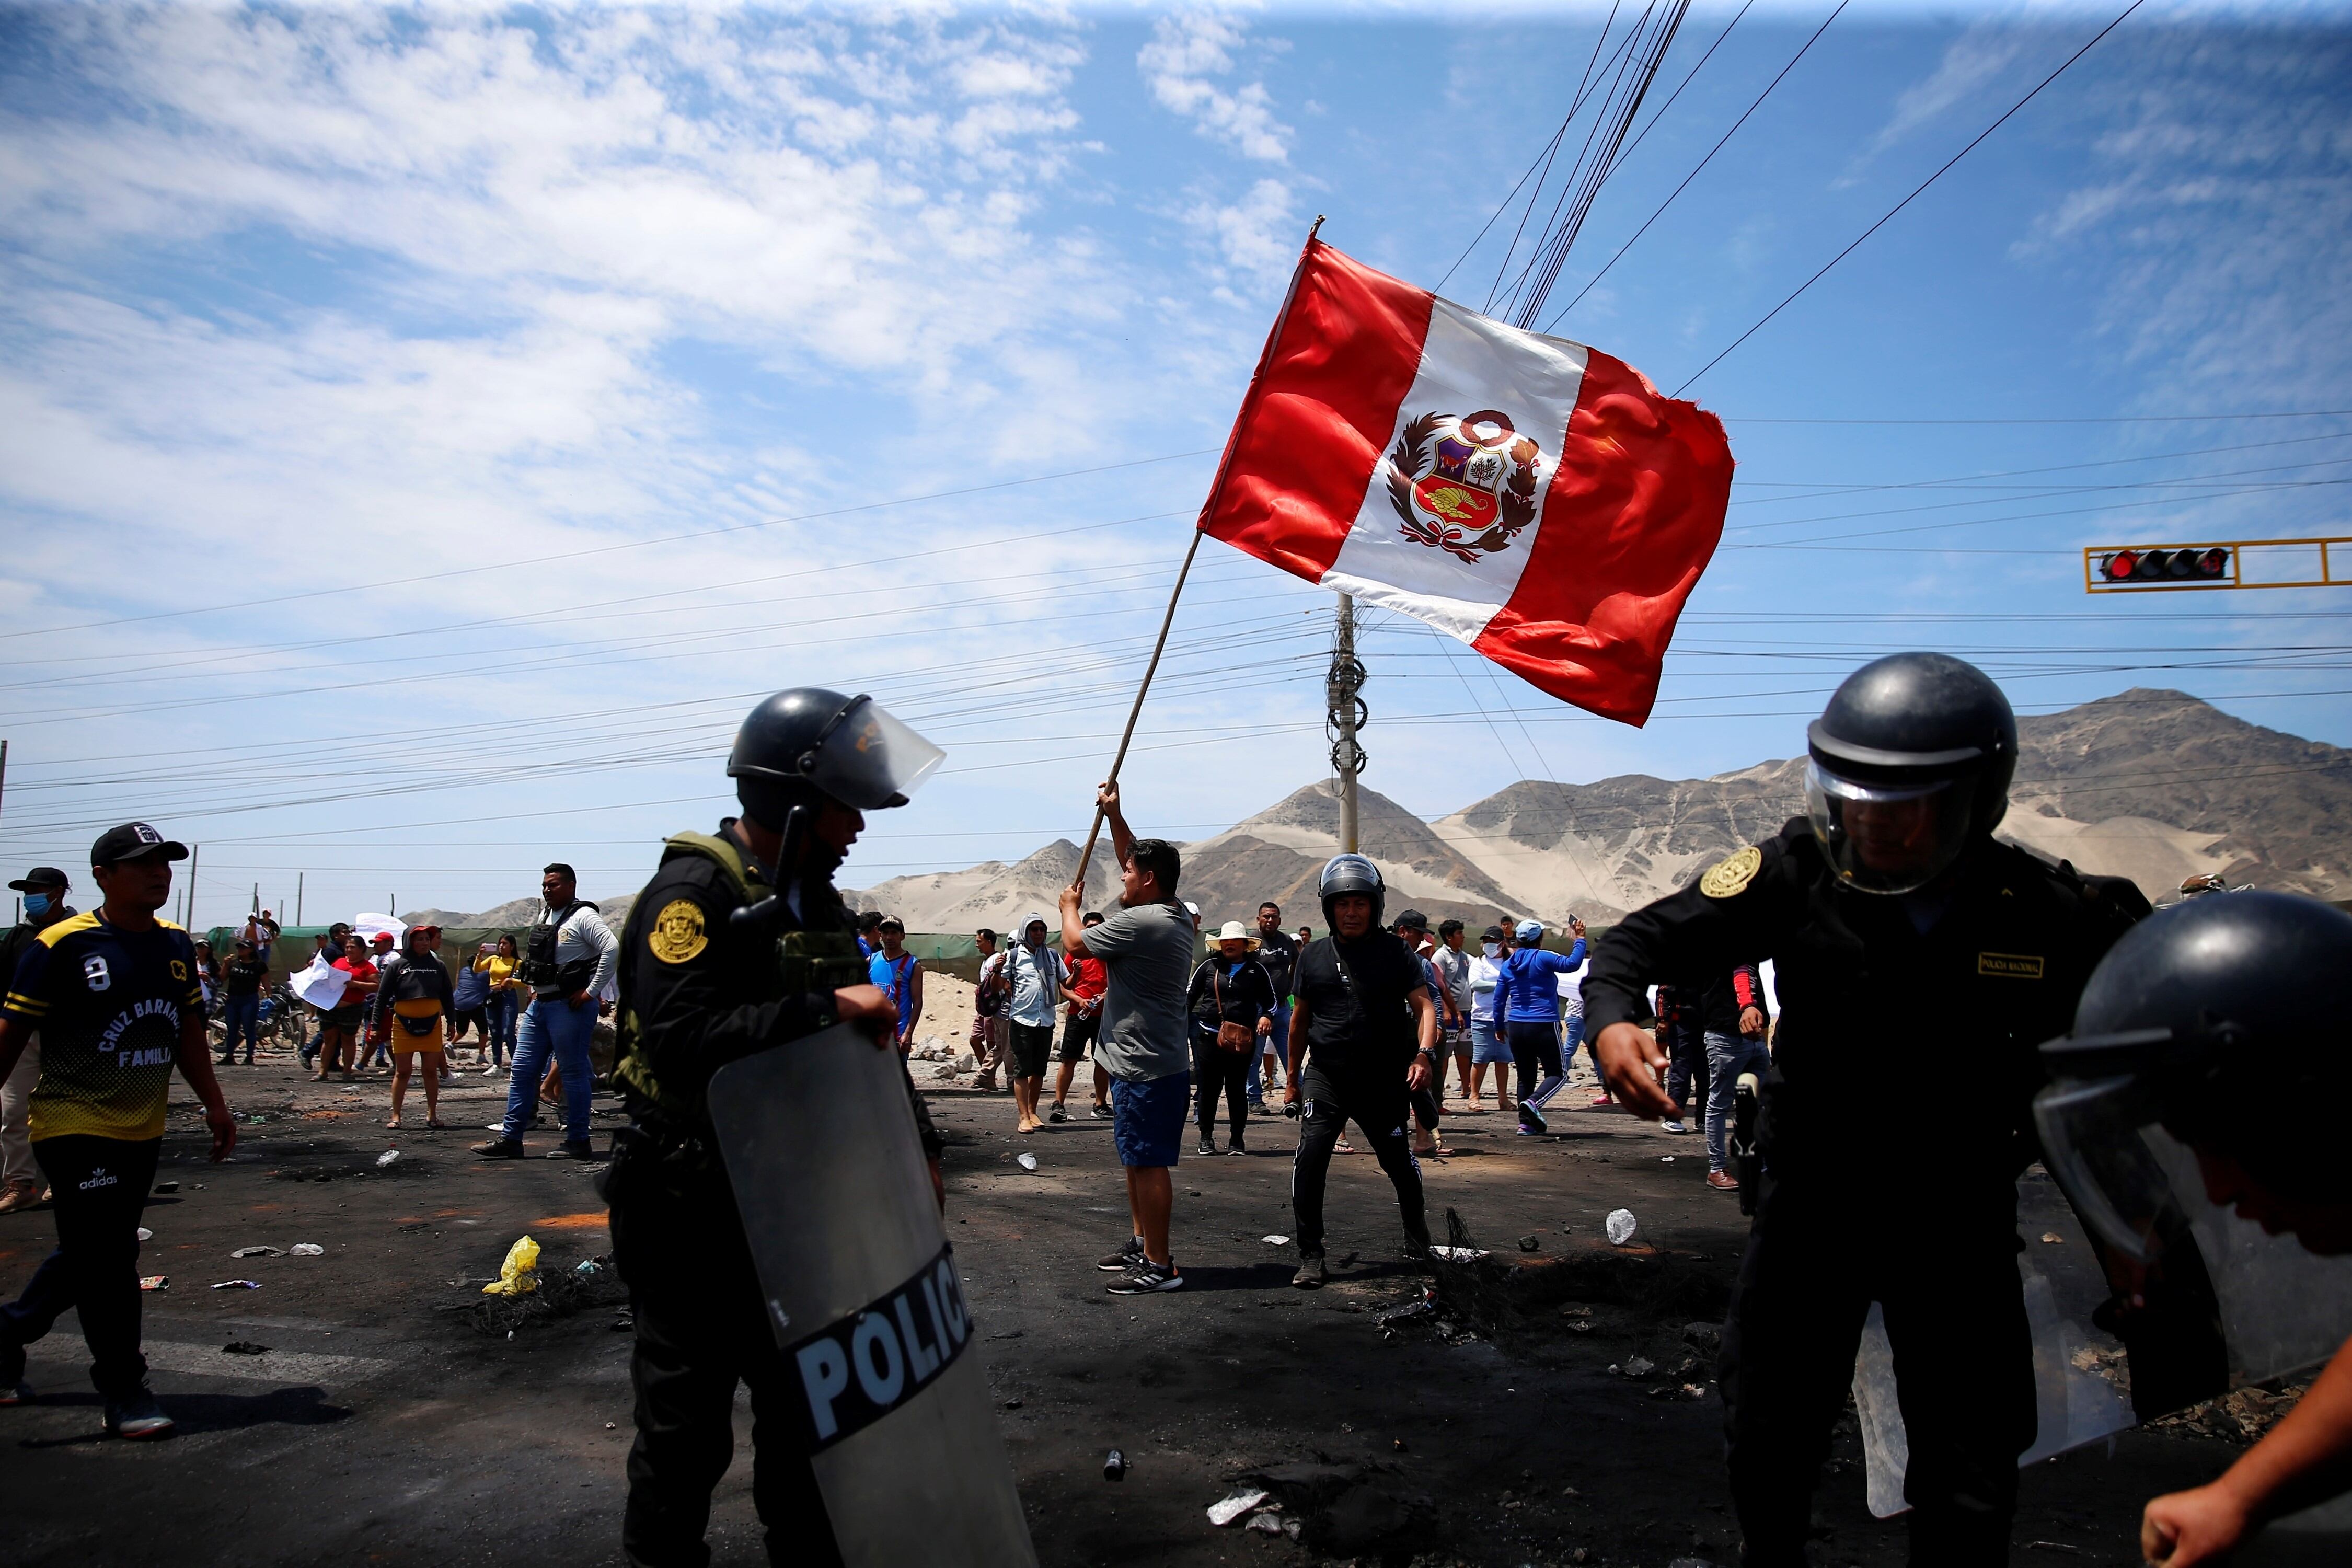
(37, 904)
(1491, 949)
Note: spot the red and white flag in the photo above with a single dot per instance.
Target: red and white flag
(1533, 497)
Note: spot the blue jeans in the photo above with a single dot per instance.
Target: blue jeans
(499, 1013)
(243, 1015)
(553, 1026)
(1728, 1056)
(1278, 1042)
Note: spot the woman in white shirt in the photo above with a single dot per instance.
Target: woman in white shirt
(1487, 1048)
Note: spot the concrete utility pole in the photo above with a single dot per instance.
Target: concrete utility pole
(1345, 717)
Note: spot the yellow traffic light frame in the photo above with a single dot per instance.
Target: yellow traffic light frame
(2236, 579)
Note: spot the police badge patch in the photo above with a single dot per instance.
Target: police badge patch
(677, 933)
(1731, 875)
(1465, 484)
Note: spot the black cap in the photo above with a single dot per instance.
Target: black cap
(1492, 934)
(40, 876)
(133, 841)
(1412, 919)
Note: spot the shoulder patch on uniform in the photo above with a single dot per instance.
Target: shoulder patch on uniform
(678, 932)
(1731, 875)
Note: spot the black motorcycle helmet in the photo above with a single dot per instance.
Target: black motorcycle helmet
(2202, 1021)
(1351, 874)
(1911, 761)
(809, 740)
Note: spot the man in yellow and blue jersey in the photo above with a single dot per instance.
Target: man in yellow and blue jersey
(114, 997)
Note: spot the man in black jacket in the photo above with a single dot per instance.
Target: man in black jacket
(700, 988)
(1277, 951)
(1890, 902)
(21, 1187)
(1363, 1039)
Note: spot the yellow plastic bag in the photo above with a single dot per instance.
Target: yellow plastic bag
(519, 1275)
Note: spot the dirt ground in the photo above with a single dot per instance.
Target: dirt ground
(392, 1418)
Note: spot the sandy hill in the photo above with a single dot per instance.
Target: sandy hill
(991, 894)
(2150, 784)
(2154, 786)
(516, 913)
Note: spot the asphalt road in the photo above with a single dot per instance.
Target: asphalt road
(386, 1421)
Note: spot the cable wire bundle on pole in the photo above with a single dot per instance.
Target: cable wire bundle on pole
(1344, 719)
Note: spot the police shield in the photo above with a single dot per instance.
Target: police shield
(2117, 1342)
(863, 1296)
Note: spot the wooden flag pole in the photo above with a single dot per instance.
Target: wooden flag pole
(1136, 711)
(1087, 855)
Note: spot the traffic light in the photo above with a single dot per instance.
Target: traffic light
(2185, 564)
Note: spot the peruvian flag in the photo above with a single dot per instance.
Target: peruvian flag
(1532, 497)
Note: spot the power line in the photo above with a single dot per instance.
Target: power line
(1702, 163)
(1906, 201)
(572, 555)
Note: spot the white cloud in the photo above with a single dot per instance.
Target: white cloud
(2218, 220)
(1258, 234)
(1977, 59)
(1185, 52)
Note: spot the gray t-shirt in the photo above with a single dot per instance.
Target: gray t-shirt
(1147, 952)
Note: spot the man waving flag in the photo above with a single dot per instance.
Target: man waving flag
(1533, 497)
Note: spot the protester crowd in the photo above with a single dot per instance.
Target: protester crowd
(1356, 1030)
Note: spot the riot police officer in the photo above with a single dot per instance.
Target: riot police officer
(2191, 1037)
(739, 943)
(1920, 963)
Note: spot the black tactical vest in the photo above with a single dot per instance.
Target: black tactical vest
(798, 961)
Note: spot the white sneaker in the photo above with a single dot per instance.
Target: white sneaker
(1669, 1124)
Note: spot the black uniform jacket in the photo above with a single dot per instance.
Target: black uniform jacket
(705, 991)
(1897, 1050)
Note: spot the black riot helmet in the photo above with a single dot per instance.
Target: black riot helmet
(2200, 1024)
(849, 748)
(1350, 873)
(1911, 762)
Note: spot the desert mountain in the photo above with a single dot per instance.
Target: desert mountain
(516, 913)
(992, 893)
(2153, 785)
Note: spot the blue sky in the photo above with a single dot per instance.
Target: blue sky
(422, 434)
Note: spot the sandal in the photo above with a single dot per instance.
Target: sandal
(436, 1123)
(1343, 1147)
(394, 1122)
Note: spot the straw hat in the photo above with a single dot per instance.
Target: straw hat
(1234, 931)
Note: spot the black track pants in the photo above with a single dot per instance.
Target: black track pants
(1963, 1364)
(1535, 1047)
(1216, 1072)
(1379, 1115)
(700, 1331)
(102, 1185)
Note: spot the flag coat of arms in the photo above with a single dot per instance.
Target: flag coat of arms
(1534, 497)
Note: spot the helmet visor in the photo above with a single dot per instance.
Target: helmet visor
(868, 760)
(1887, 838)
(2103, 1142)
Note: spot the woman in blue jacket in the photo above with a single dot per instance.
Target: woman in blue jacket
(1526, 999)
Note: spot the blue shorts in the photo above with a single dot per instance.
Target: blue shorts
(1147, 1117)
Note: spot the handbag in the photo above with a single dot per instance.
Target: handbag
(1230, 1037)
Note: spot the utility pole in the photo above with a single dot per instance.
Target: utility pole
(298, 896)
(1344, 717)
(188, 921)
